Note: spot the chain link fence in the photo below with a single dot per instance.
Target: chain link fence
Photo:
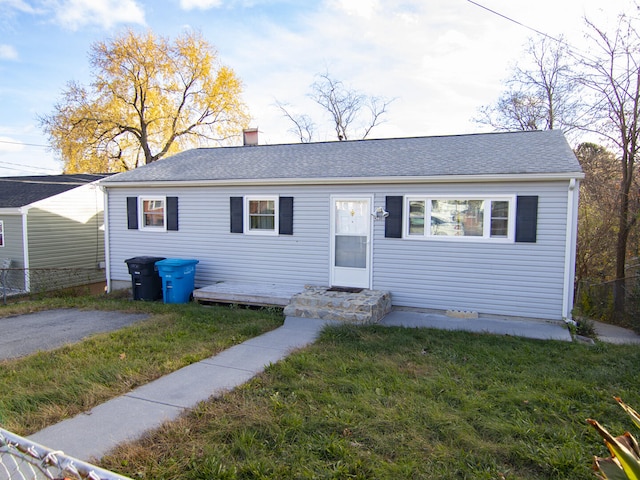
(34, 281)
(595, 300)
(23, 459)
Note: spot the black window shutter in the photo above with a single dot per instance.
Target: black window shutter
(132, 213)
(526, 218)
(393, 223)
(172, 213)
(236, 214)
(285, 226)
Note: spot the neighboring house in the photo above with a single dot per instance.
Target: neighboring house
(484, 222)
(51, 229)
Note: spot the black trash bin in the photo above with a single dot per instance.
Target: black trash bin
(146, 283)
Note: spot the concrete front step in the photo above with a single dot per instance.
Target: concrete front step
(363, 307)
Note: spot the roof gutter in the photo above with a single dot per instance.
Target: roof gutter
(533, 177)
(25, 251)
(107, 238)
(571, 240)
(14, 210)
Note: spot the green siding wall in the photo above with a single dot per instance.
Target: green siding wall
(66, 240)
(13, 249)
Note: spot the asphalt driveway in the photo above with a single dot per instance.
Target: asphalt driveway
(22, 335)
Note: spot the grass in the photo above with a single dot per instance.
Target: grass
(375, 402)
(46, 387)
(362, 402)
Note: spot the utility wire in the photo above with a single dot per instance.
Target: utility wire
(515, 21)
(2, 163)
(24, 168)
(25, 144)
(14, 169)
(539, 32)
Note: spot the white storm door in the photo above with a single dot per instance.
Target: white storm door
(351, 242)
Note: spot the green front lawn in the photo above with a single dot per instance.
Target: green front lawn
(393, 403)
(44, 388)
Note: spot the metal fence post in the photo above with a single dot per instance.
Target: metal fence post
(5, 263)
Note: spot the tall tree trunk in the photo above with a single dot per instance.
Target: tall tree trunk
(624, 227)
(619, 290)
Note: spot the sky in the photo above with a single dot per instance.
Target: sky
(438, 60)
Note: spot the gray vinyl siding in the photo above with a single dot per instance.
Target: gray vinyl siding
(204, 234)
(13, 249)
(519, 279)
(66, 239)
(515, 279)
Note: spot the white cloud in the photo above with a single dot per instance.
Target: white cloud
(74, 14)
(442, 59)
(199, 4)
(8, 144)
(424, 54)
(8, 52)
(24, 151)
(18, 5)
(359, 8)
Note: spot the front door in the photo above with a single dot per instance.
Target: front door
(351, 242)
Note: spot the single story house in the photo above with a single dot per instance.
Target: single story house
(477, 223)
(52, 231)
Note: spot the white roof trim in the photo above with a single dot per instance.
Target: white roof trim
(14, 210)
(354, 180)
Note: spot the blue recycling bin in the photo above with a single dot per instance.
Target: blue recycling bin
(178, 278)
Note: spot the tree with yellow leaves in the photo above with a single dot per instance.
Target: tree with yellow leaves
(149, 97)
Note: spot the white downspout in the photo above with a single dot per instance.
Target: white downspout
(107, 245)
(570, 249)
(25, 250)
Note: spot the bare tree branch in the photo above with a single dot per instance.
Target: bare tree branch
(542, 96)
(303, 126)
(347, 109)
(377, 107)
(613, 75)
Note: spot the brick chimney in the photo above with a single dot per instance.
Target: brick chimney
(250, 137)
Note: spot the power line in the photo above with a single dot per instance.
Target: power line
(515, 21)
(25, 172)
(27, 169)
(2, 163)
(14, 169)
(25, 144)
(539, 32)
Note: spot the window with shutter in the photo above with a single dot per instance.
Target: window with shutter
(261, 215)
(527, 219)
(152, 213)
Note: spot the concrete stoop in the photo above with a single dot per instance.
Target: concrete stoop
(358, 306)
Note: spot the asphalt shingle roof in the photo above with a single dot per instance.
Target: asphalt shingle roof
(476, 154)
(21, 191)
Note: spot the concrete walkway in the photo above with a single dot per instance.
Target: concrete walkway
(614, 334)
(92, 434)
(529, 328)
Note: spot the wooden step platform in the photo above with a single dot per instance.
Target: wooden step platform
(244, 293)
(360, 306)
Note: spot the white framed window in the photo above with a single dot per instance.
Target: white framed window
(153, 214)
(261, 215)
(490, 218)
(1, 233)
